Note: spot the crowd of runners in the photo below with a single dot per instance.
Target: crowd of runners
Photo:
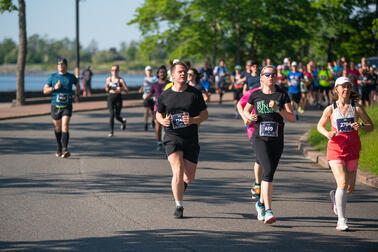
(264, 97)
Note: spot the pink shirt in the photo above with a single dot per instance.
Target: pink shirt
(243, 101)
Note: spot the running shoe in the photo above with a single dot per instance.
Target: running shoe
(66, 154)
(269, 217)
(260, 211)
(110, 134)
(342, 225)
(145, 126)
(185, 186)
(333, 201)
(123, 126)
(179, 212)
(296, 117)
(255, 190)
(58, 152)
(300, 110)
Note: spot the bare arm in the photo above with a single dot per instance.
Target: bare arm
(241, 113)
(287, 112)
(124, 86)
(197, 119)
(248, 113)
(48, 90)
(107, 84)
(367, 123)
(163, 121)
(323, 121)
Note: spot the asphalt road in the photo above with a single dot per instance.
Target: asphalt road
(113, 194)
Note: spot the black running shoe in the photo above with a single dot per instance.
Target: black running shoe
(66, 154)
(185, 186)
(123, 126)
(58, 151)
(179, 212)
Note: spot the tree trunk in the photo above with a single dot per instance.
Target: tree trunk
(214, 54)
(330, 50)
(21, 59)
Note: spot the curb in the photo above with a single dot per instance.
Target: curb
(321, 159)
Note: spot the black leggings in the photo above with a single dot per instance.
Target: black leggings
(268, 153)
(115, 106)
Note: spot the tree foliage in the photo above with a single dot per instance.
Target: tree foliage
(238, 30)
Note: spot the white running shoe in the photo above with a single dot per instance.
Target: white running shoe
(333, 200)
(342, 225)
(260, 211)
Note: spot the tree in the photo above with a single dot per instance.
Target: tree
(7, 5)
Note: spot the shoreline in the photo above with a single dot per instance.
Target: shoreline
(38, 69)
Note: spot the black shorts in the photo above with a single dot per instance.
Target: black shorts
(58, 113)
(149, 104)
(190, 148)
(295, 97)
(324, 89)
(238, 94)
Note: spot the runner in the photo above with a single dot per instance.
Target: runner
(294, 90)
(60, 86)
(195, 81)
(206, 77)
(364, 83)
(114, 86)
(220, 73)
(256, 187)
(272, 106)
(156, 89)
(237, 87)
(181, 109)
(325, 77)
(148, 104)
(344, 143)
(250, 77)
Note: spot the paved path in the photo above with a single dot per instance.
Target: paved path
(114, 194)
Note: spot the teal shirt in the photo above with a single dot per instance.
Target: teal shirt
(63, 96)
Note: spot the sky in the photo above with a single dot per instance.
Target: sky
(101, 20)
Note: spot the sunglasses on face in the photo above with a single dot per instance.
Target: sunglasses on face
(267, 75)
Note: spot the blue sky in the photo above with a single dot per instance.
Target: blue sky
(101, 20)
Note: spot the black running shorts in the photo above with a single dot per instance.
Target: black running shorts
(57, 113)
(190, 148)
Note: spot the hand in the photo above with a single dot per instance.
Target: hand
(331, 134)
(273, 105)
(186, 118)
(357, 125)
(248, 123)
(167, 121)
(57, 85)
(254, 117)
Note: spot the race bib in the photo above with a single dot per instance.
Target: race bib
(344, 124)
(269, 129)
(178, 121)
(62, 98)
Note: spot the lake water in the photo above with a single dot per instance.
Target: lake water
(35, 82)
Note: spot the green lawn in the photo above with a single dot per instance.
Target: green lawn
(369, 153)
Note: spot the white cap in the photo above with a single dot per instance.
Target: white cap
(286, 60)
(148, 68)
(175, 61)
(341, 81)
(294, 63)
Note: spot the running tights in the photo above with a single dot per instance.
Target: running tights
(268, 153)
(115, 106)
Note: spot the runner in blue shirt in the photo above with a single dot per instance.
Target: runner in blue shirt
(60, 86)
(294, 90)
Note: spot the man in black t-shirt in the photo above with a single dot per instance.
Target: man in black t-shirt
(181, 109)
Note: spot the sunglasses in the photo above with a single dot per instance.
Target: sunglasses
(269, 74)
